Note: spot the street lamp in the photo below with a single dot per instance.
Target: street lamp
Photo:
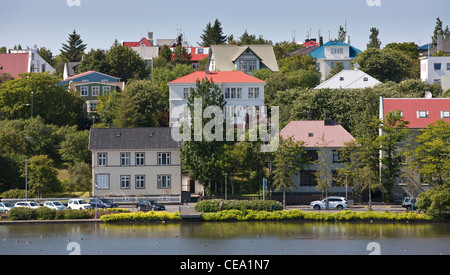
(26, 179)
(226, 186)
(32, 103)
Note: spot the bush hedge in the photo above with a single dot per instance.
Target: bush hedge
(208, 206)
(250, 215)
(44, 213)
(142, 217)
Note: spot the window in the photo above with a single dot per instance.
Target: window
(125, 182)
(163, 181)
(163, 158)
(437, 66)
(105, 81)
(251, 65)
(336, 158)
(84, 91)
(140, 159)
(233, 92)
(307, 178)
(448, 66)
(125, 159)
(102, 181)
(92, 106)
(95, 90)
(337, 50)
(185, 93)
(106, 90)
(253, 92)
(102, 159)
(199, 50)
(140, 182)
(366, 79)
(422, 114)
(85, 81)
(312, 154)
(445, 114)
(341, 78)
(227, 93)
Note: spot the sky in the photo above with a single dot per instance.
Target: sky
(47, 23)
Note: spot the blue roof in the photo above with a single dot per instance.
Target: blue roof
(320, 52)
(91, 76)
(425, 47)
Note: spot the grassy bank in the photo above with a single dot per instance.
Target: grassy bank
(297, 215)
(291, 215)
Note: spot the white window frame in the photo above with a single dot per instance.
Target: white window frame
(124, 159)
(140, 181)
(125, 182)
(164, 181)
(102, 181)
(106, 90)
(445, 114)
(186, 93)
(84, 90)
(95, 90)
(422, 114)
(164, 161)
(140, 159)
(102, 159)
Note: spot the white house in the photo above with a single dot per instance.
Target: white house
(334, 52)
(349, 79)
(135, 162)
(433, 68)
(238, 88)
(17, 62)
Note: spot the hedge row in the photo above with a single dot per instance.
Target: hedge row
(208, 206)
(250, 215)
(44, 213)
(142, 217)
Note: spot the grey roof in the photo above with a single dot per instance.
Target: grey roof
(226, 55)
(131, 139)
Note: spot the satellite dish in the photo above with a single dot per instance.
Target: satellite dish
(428, 94)
(356, 66)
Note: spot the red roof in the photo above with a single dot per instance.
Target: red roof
(14, 63)
(433, 108)
(310, 43)
(311, 133)
(138, 44)
(218, 77)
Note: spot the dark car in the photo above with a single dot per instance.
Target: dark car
(102, 203)
(149, 206)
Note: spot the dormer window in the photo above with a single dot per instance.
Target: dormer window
(341, 78)
(422, 114)
(366, 79)
(310, 134)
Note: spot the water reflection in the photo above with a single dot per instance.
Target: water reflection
(228, 238)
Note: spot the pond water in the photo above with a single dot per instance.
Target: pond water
(230, 238)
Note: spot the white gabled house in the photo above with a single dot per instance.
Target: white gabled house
(349, 79)
(238, 88)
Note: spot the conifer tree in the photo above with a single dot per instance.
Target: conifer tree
(73, 51)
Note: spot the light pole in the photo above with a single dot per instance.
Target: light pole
(346, 186)
(32, 103)
(226, 186)
(26, 179)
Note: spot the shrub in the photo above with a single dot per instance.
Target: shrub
(142, 217)
(22, 213)
(208, 206)
(45, 213)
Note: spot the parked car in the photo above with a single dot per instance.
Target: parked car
(5, 207)
(409, 203)
(55, 205)
(149, 206)
(27, 204)
(338, 203)
(102, 203)
(78, 204)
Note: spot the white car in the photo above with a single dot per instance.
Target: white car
(55, 205)
(338, 203)
(78, 204)
(5, 207)
(27, 204)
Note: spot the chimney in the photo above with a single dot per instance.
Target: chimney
(347, 39)
(309, 115)
(321, 40)
(327, 120)
(150, 37)
(440, 46)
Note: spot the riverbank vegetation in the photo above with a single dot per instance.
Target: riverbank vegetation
(142, 217)
(297, 215)
(44, 213)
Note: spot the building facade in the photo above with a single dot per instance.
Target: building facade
(434, 68)
(135, 162)
(91, 85)
(238, 88)
(419, 112)
(331, 53)
(326, 135)
(17, 62)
